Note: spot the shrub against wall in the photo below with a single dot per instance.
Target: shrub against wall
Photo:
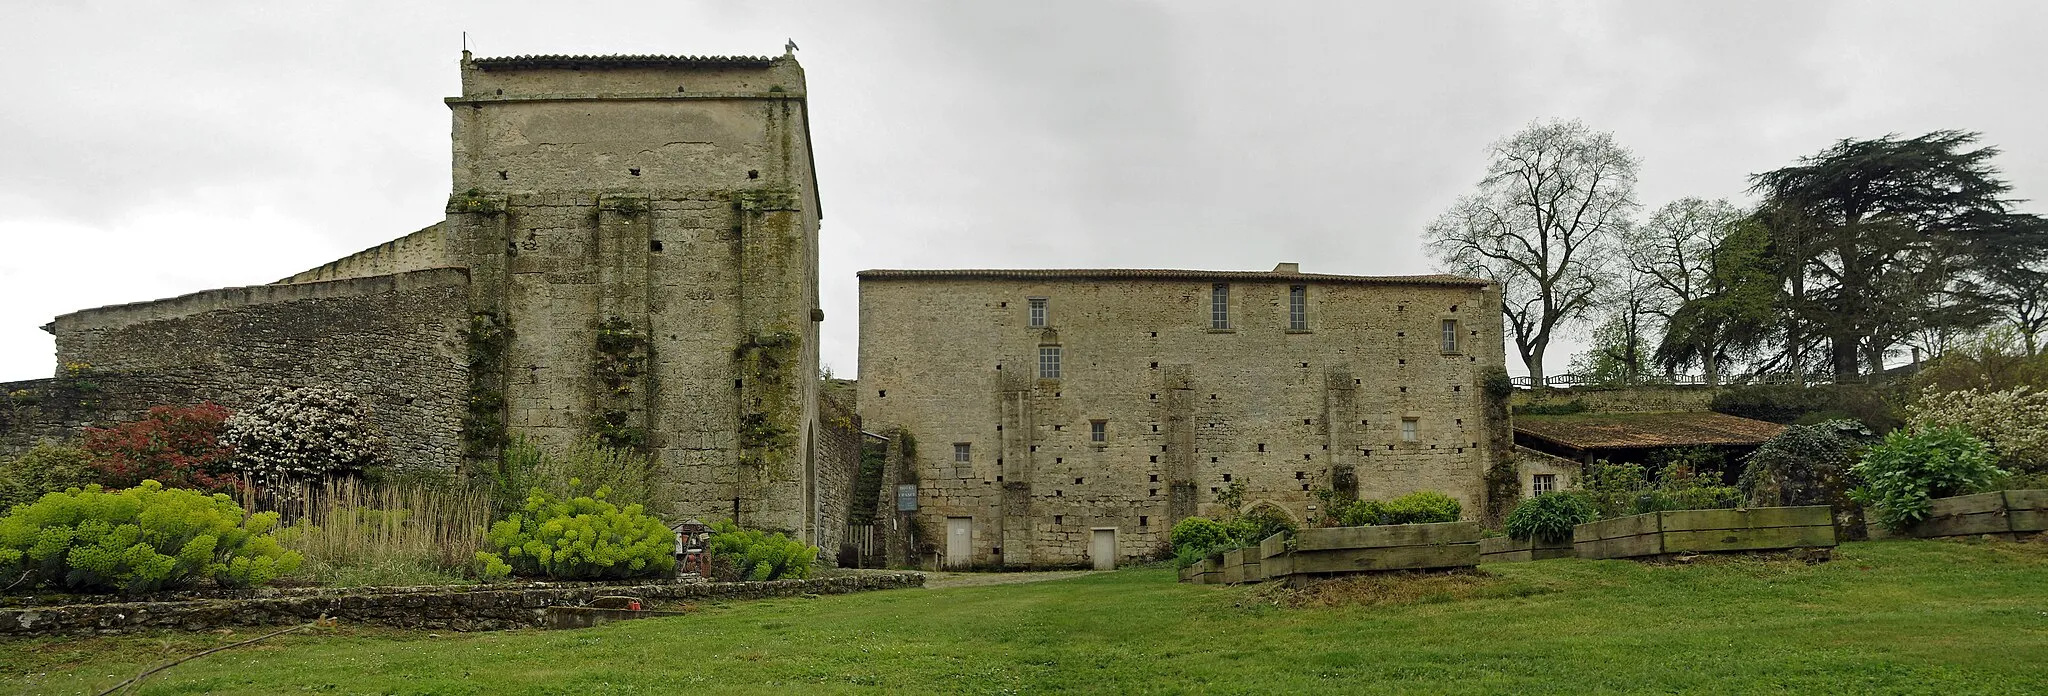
(177, 446)
(46, 468)
(1805, 465)
(1550, 517)
(294, 436)
(2013, 422)
(1619, 490)
(140, 539)
(1420, 507)
(1905, 473)
(585, 538)
(757, 555)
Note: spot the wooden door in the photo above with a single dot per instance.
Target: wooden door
(959, 540)
(1102, 549)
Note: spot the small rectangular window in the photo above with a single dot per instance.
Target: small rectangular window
(1450, 335)
(1219, 306)
(1048, 362)
(1408, 429)
(1542, 483)
(1098, 431)
(1038, 311)
(962, 452)
(1297, 308)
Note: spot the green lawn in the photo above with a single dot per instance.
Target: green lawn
(1884, 617)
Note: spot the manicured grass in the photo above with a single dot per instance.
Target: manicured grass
(1884, 617)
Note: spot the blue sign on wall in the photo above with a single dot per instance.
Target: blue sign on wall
(906, 497)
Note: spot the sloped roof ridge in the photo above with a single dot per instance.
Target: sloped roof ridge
(1157, 273)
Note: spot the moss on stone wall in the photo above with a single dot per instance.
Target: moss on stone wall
(483, 423)
(623, 353)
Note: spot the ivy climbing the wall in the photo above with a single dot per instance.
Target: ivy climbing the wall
(483, 423)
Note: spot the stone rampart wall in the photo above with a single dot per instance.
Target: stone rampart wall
(395, 340)
(838, 461)
(1621, 399)
(475, 608)
(420, 250)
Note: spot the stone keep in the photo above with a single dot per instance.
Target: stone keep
(1172, 386)
(630, 251)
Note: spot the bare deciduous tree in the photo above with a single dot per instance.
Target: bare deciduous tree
(1555, 196)
(1673, 252)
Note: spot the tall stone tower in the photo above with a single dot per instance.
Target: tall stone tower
(641, 234)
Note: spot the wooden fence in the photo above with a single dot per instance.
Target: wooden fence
(1705, 531)
(1997, 512)
(1506, 550)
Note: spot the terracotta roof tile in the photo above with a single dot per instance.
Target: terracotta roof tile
(1589, 431)
(1159, 274)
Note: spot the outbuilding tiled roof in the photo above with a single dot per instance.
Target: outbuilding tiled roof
(1159, 274)
(1593, 431)
(560, 62)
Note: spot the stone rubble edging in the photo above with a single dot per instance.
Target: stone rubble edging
(468, 608)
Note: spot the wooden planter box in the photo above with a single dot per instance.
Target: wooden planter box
(1704, 531)
(1341, 550)
(1208, 572)
(1506, 550)
(1242, 566)
(2006, 513)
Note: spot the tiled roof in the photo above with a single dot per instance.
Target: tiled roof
(1590, 431)
(610, 62)
(1158, 274)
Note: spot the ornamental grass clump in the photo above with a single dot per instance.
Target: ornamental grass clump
(138, 540)
(584, 538)
(1905, 473)
(758, 555)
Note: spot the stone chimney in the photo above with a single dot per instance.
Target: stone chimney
(1291, 268)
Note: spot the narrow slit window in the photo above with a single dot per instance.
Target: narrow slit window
(1219, 306)
(1039, 311)
(1297, 308)
(1048, 362)
(1450, 335)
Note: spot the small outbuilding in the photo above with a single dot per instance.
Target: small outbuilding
(1634, 437)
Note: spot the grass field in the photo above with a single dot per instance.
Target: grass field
(1885, 617)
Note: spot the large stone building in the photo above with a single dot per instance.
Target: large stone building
(1065, 416)
(629, 252)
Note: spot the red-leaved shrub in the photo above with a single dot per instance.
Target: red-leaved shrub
(178, 446)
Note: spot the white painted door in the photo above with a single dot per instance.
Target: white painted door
(1102, 548)
(959, 537)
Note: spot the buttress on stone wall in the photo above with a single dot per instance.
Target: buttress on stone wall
(951, 358)
(669, 199)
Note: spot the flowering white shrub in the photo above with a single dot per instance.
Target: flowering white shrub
(2014, 422)
(294, 436)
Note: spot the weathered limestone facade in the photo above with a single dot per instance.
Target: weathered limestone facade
(630, 251)
(1284, 396)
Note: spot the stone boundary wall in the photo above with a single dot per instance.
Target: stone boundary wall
(469, 608)
(1622, 399)
(420, 250)
(837, 458)
(395, 340)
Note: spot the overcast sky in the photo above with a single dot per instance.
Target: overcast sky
(151, 149)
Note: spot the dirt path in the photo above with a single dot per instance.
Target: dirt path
(942, 580)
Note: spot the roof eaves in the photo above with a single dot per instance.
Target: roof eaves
(1157, 274)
